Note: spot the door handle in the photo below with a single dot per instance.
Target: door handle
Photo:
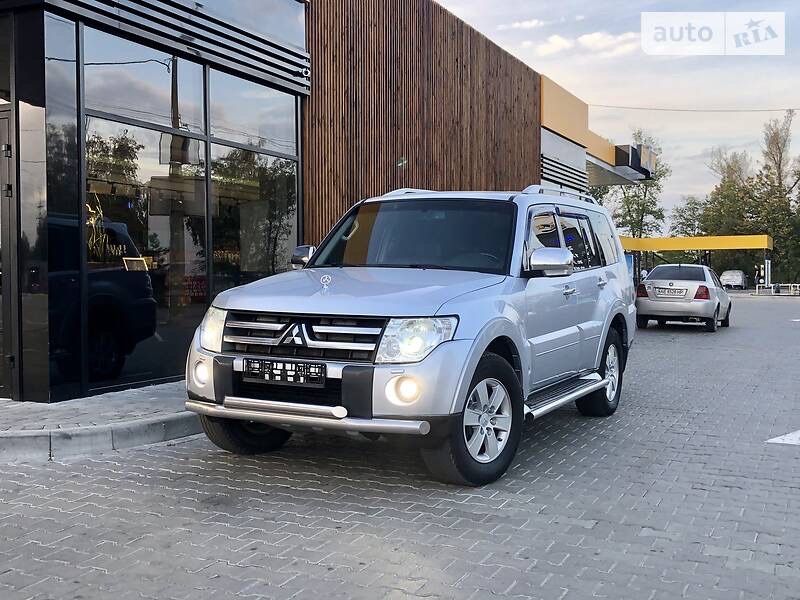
(568, 291)
(602, 282)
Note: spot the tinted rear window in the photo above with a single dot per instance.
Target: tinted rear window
(682, 273)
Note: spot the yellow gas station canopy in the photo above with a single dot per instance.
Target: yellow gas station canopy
(712, 242)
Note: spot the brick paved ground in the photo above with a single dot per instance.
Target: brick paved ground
(165, 399)
(675, 496)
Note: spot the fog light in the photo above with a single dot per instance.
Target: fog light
(407, 389)
(201, 373)
(403, 390)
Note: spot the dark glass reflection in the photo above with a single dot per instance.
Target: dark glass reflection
(278, 19)
(5, 59)
(253, 202)
(142, 83)
(252, 114)
(32, 193)
(146, 251)
(63, 207)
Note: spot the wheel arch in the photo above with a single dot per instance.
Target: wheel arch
(501, 337)
(619, 323)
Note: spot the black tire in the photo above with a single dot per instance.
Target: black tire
(662, 322)
(598, 404)
(642, 322)
(711, 324)
(106, 353)
(726, 322)
(451, 462)
(243, 437)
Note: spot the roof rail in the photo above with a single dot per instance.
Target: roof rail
(404, 191)
(543, 189)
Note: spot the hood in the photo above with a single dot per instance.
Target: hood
(362, 291)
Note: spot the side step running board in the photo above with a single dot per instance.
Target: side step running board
(552, 399)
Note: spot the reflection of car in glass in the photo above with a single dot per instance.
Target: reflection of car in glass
(442, 318)
(733, 280)
(683, 293)
(122, 311)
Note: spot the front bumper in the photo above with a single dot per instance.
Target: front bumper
(305, 416)
(363, 406)
(698, 309)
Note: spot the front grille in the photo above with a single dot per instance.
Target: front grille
(330, 395)
(348, 339)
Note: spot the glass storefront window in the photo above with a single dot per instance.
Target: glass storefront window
(252, 114)
(287, 19)
(63, 205)
(5, 59)
(146, 251)
(137, 82)
(254, 215)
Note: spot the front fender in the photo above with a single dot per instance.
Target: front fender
(498, 327)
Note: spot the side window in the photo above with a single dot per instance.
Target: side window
(605, 237)
(543, 231)
(590, 242)
(715, 279)
(579, 240)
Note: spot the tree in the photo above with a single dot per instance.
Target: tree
(686, 218)
(756, 201)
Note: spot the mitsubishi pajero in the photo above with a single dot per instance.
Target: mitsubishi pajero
(442, 318)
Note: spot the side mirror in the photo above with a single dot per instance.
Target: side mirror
(551, 262)
(301, 256)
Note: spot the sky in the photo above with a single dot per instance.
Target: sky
(593, 49)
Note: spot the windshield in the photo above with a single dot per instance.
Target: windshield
(678, 272)
(463, 235)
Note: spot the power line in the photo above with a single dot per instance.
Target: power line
(693, 110)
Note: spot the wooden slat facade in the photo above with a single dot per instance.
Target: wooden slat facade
(404, 94)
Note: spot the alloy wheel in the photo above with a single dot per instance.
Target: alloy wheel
(612, 372)
(487, 420)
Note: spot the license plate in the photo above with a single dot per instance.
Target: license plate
(285, 372)
(670, 292)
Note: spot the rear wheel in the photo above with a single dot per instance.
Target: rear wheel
(711, 324)
(483, 439)
(642, 322)
(662, 322)
(604, 401)
(726, 322)
(243, 437)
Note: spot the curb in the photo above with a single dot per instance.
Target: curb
(78, 441)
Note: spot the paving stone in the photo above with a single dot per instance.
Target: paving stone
(676, 495)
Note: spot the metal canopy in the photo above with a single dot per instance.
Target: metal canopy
(714, 242)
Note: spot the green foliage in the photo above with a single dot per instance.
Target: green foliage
(747, 203)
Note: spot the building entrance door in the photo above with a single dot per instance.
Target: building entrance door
(6, 275)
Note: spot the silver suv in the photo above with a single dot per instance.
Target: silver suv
(444, 318)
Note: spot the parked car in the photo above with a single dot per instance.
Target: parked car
(442, 318)
(733, 280)
(687, 293)
(121, 307)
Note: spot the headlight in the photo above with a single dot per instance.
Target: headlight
(211, 329)
(411, 340)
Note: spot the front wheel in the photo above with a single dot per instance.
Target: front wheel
(483, 438)
(604, 402)
(641, 322)
(243, 437)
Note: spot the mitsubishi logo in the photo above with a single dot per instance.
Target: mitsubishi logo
(295, 336)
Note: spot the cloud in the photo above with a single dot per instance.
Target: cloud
(553, 45)
(607, 45)
(530, 24)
